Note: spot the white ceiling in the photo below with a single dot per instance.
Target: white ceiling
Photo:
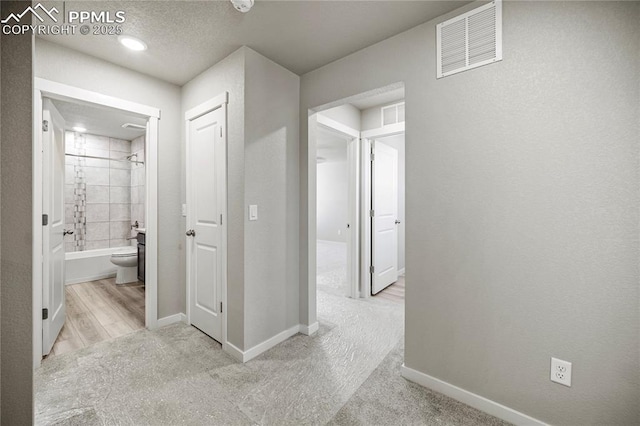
(187, 37)
(99, 121)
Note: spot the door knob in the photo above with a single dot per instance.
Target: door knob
(65, 232)
(397, 222)
(191, 233)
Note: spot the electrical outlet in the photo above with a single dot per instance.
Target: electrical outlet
(561, 371)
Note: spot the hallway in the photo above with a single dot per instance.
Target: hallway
(340, 375)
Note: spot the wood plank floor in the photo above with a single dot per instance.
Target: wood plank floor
(99, 310)
(395, 292)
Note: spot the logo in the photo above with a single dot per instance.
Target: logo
(18, 17)
(88, 22)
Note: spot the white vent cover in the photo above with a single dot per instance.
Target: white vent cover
(470, 40)
(134, 126)
(392, 114)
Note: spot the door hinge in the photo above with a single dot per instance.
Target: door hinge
(45, 219)
(45, 125)
(372, 213)
(220, 307)
(371, 269)
(45, 313)
(220, 131)
(373, 156)
(220, 219)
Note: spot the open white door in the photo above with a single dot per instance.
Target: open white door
(53, 274)
(384, 233)
(206, 205)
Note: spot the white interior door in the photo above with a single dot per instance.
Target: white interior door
(384, 233)
(206, 205)
(53, 233)
(353, 215)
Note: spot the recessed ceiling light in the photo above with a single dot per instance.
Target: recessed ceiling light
(242, 5)
(79, 129)
(132, 43)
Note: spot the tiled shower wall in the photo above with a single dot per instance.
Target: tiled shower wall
(137, 182)
(98, 193)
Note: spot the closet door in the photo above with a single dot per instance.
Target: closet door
(384, 233)
(206, 207)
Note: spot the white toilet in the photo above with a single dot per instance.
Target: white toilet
(126, 260)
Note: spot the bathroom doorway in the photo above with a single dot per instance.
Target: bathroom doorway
(98, 280)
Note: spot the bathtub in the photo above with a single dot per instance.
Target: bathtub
(82, 266)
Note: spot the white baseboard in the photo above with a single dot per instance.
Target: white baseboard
(232, 350)
(476, 401)
(309, 329)
(90, 278)
(244, 356)
(270, 343)
(400, 272)
(172, 319)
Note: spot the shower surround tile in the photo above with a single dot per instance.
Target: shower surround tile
(96, 175)
(120, 145)
(120, 195)
(97, 194)
(96, 245)
(97, 213)
(97, 142)
(119, 230)
(120, 212)
(97, 231)
(120, 177)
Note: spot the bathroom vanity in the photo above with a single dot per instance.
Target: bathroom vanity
(141, 248)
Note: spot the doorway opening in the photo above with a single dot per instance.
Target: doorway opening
(359, 196)
(94, 278)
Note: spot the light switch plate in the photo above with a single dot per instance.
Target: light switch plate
(253, 212)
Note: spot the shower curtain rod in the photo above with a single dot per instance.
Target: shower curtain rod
(106, 158)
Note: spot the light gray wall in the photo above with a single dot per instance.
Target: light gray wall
(332, 199)
(271, 181)
(57, 63)
(346, 114)
(227, 75)
(16, 304)
(397, 142)
(522, 206)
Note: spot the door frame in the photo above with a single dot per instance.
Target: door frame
(219, 101)
(367, 221)
(353, 204)
(57, 91)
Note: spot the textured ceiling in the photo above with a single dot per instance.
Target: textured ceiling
(99, 121)
(187, 37)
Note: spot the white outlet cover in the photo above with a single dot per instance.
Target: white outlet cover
(561, 371)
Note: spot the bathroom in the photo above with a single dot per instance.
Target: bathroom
(104, 223)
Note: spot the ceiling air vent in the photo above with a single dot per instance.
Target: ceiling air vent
(470, 40)
(134, 126)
